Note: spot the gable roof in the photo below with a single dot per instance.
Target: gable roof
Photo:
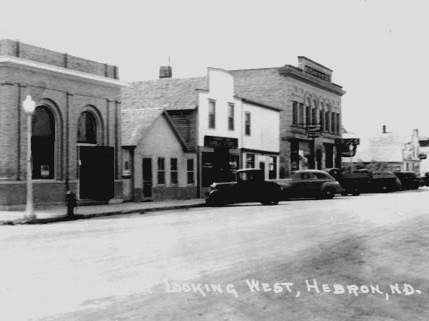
(137, 122)
(166, 93)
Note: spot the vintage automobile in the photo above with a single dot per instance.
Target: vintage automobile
(364, 181)
(250, 186)
(352, 182)
(384, 181)
(309, 183)
(425, 178)
(409, 180)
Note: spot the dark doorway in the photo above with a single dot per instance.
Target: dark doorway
(147, 177)
(294, 155)
(329, 155)
(262, 166)
(96, 172)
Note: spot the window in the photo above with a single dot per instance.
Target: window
(231, 116)
(337, 129)
(321, 119)
(87, 128)
(333, 124)
(313, 116)
(301, 113)
(212, 113)
(307, 115)
(247, 123)
(295, 113)
(43, 143)
(327, 121)
(250, 160)
(126, 157)
(190, 171)
(272, 174)
(173, 171)
(161, 170)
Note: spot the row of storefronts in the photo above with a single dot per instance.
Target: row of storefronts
(166, 138)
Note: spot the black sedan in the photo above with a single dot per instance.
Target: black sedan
(409, 180)
(309, 184)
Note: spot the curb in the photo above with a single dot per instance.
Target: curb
(65, 218)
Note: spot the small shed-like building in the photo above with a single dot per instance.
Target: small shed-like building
(157, 164)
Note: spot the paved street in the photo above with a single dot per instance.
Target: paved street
(124, 268)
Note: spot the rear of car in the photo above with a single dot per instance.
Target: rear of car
(409, 180)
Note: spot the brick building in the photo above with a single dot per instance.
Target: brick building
(76, 127)
(309, 101)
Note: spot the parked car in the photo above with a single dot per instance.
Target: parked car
(249, 186)
(385, 181)
(364, 181)
(352, 182)
(409, 180)
(426, 178)
(310, 183)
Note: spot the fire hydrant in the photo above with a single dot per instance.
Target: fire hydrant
(71, 202)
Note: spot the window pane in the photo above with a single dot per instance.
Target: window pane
(250, 160)
(231, 116)
(247, 123)
(173, 171)
(43, 144)
(295, 113)
(87, 128)
(190, 171)
(212, 114)
(161, 170)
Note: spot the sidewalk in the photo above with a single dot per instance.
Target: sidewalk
(58, 213)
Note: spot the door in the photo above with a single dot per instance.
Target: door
(262, 166)
(96, 172)
(147, 177)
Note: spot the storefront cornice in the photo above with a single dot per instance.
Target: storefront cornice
(72, 74)
(297, 73)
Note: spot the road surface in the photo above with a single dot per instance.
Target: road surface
(350, 258)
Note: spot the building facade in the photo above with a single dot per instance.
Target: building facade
(260, 138)
(156, 162)
(214, 123)
(75, 127)
(310, 118)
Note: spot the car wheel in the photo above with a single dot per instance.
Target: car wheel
(355, 191)
(328, 193)
(214, 200)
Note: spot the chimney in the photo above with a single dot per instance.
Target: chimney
(165, 72)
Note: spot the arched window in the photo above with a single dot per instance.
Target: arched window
(43, 143)
(87, 128)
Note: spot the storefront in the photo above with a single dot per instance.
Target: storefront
(219, 159)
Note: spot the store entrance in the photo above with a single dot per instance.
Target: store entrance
(96, 172)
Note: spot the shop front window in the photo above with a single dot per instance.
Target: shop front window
(43, 143)
(250, 160)
(272, 174)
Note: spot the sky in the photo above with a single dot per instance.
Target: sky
(378, 50)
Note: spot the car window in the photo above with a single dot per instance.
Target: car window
(322, 176)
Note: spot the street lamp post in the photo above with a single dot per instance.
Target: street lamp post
(29, 106)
